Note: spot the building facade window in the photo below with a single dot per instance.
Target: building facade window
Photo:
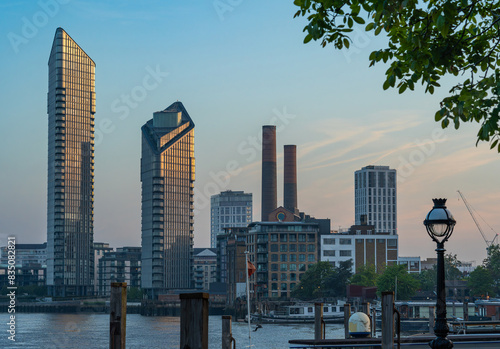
(329, 241)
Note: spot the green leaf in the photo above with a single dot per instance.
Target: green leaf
(439, 115)
(369, 26)
(403, 88)
(359, 20)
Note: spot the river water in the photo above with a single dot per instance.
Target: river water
(89, 331)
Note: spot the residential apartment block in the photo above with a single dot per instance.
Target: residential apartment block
(229, 209)
(362, 246)
(70, 198)
(282, 252)
(375, 198)
(167, 177)
(122, 265)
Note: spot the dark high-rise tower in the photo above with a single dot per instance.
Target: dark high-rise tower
(269, 186)
(167, 176)
(290, 178)
(70, 199)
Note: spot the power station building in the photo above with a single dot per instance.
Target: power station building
(286, 241)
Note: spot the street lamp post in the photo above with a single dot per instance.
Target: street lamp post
(439, 224)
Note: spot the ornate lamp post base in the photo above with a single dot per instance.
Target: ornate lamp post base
(441, 343)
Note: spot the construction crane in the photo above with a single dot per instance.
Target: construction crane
(470, 209)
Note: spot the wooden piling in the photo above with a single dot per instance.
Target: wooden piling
(194, 321)
(466, 310)
(347, 315)
(374, 323)
(387, 320)
(227, 334)
(318, 321)
(365, 308)
(118, 315)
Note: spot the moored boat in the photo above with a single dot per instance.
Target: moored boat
(301, 313)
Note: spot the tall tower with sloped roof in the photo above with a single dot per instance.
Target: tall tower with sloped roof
(70, 199)
(167, 176)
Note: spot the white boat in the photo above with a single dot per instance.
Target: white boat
(301, 313)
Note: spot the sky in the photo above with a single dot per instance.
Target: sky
(235, 65)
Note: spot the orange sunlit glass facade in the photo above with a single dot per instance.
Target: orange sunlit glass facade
(167, 176)
(70, 201)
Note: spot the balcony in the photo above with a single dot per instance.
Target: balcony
(59, 183)
(158, 181)
(158, 221)
(157, 240)
(157, 234)
(60, 91)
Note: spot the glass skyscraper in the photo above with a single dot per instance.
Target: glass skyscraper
(229, 209)
(375, 198)
(70, 199)
(167, 176)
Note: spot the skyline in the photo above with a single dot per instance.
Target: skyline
(235, 70)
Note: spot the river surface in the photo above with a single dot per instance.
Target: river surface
(89, 331)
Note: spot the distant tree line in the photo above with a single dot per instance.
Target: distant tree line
(324, 280)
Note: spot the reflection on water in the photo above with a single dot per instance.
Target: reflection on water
(89, 331)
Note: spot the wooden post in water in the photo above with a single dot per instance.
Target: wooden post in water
(347, 315)
(227, 334)
(387, 320)
(194, 321)
(365, 308)
(318, 321)
(431, 320)
(118, 315)
(374, 323)
(466, 309)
